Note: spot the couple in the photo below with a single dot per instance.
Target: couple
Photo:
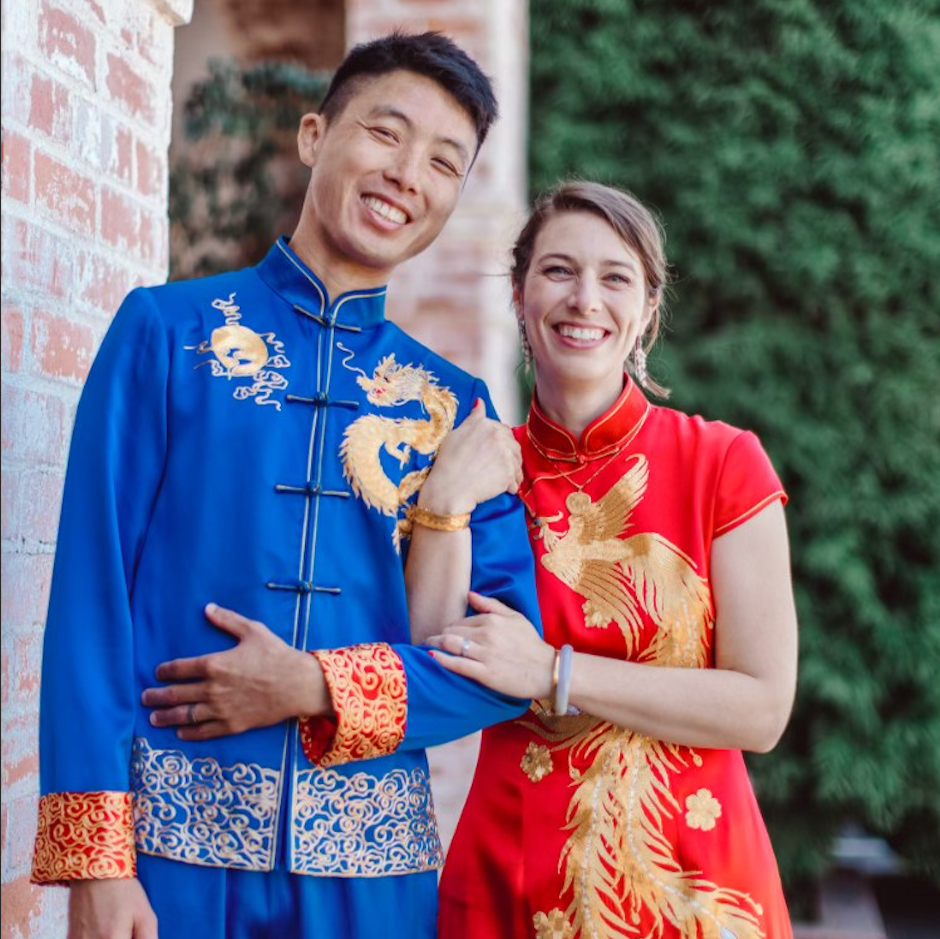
(267, 440)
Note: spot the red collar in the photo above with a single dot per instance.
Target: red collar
(604, 435)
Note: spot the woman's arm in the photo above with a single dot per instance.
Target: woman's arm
(477, 461)
(742, 703)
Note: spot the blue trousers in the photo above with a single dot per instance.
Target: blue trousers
(193, 902)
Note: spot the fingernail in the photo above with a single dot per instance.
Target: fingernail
(211, 607)
(153, 720)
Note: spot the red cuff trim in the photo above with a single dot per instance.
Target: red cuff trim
(84, 836)
(370, 697)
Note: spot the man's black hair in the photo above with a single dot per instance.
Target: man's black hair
(430, 54)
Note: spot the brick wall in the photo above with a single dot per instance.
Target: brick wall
(455, 296)
(86, 126)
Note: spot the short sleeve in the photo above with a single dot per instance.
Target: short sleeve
(747, 484)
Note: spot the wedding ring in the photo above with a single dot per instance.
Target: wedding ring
(465, 647)
(191, 714)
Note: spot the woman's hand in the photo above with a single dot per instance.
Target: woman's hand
(498, 648)
(477, 461)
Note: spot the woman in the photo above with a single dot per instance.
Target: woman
(619, 805)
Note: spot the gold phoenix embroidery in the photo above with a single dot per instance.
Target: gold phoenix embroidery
(84, 836)
(392, 385)
(618, 861)
(240, 352)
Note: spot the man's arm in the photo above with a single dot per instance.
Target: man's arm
(88, 691)
(382, 697)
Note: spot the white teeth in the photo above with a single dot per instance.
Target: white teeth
(581, 333)
(385, 210)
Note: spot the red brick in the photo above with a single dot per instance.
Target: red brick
(66, 193)
(129, 89)
(49, 107)
(119, 222)
(17, 76)
(61, 347)
(28, 657)
(37, 517)
(21, 907)
(16, 160)
(25, 595)
(20, 756)
(12, 338)
(151, 171)
(153, 239)
(30, 912)
(36, 260)
(66, 43)
(22, 825)
(122, 151)
(6, 683)
(33, 426)
(104, 285)
(11, 503)
(97, 10)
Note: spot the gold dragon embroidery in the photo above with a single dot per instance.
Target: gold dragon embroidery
(618, 861)
(392, 385)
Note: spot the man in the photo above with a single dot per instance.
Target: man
(259, 439)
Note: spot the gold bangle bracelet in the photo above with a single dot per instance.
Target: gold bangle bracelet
(426, 519)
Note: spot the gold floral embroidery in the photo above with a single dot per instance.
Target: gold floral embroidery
(364, 826)
(372, 435)
(370, 696)
(240, 352)
(552, 925)
(84, 836)
(536, 762)
(703, 810)
(201, 812)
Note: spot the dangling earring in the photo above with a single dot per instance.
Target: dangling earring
(526, 348)
(639, 364)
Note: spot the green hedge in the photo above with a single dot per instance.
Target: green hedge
(792, 149)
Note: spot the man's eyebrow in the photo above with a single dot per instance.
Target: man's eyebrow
(388, 110)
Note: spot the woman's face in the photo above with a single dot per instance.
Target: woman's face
(585, 304)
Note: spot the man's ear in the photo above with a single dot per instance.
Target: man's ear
(310, 137)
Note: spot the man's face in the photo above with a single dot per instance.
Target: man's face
(386, 174)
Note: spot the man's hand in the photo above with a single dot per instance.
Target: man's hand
(477, 461)
(110, 909)
(262, 681)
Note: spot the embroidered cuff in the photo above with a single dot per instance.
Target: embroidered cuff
(84, 836)
(370, 697)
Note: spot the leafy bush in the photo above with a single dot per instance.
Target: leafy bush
(792, 150)
(236, 183)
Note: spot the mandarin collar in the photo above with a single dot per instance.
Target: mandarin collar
(604, 435)
(289, 277)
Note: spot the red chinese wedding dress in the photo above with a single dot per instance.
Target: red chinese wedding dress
(576, 828)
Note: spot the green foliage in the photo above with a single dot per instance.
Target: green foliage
(237, 183)
(791, 147)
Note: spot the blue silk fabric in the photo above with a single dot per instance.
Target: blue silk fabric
(246, 440)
